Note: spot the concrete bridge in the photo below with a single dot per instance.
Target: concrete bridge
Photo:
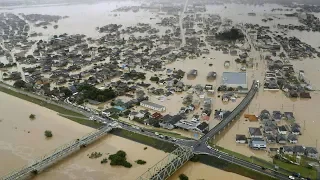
(49, 159)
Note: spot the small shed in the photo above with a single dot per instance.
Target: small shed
(240, 138)
(251, 117)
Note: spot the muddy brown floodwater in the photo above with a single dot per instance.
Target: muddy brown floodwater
(198, 171)
(22, 140)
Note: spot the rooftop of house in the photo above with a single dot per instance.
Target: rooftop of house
(292, 137)
(133, 113)
(171, 119)
(288, 148)
(93, 102)
(281, 137)
(276, 115)
(289, 115)
(295, 125)
(311, 150)
(258, 141)
(282, 128)
(270, 137)
(203, 126)
(240, 137)
(298, 149)
(268, 128)
(295, 129)
(255, 131)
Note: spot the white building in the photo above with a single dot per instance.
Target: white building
(258, 143)
(241, 139)
(234, 79)
(153, 106)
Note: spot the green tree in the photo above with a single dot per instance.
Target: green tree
(67, 92)
(141, 162)
(32, 116)
(183, 177)
(48, 134)
(154, 79)
(119, 159)
(19, 84)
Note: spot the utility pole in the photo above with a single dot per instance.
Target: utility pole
(317, 144)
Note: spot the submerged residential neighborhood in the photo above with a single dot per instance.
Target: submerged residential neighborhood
(177, 71)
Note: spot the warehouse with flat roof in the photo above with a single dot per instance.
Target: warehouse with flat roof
(235, 79)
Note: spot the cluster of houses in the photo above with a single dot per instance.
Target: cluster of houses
(271, 133)
(298, 150)
(42, 20)
(269, 41)
(13, 33)
(282, 76)
(179, 120)
(156, 119)
(310, 21)
(295, 48)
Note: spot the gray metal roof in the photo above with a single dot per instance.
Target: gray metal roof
(258, 141)
(234, 78)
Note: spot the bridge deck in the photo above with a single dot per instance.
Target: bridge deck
(243, 104)
(168, 165)
(56, 155)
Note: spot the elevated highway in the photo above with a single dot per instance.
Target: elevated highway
(241, 107)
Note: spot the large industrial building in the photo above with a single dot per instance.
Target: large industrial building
(235, 79)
